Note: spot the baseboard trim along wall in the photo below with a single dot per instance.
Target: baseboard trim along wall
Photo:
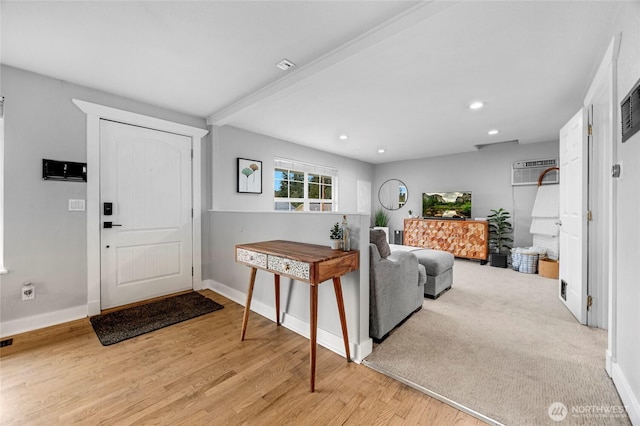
(629, 400)
(328, 340)
(35, 322)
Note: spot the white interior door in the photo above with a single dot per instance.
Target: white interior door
(573, 209)
(146, 175)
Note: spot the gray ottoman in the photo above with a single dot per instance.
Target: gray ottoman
(439, 266)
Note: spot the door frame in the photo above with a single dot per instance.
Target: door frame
(601, 200)
(95, 113)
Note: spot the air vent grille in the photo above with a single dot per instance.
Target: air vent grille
(630, 113)
(527, 172)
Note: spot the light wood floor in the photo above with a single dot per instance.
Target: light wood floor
(198, 372)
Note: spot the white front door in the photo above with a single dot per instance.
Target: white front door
(146, 176)
(573, 209)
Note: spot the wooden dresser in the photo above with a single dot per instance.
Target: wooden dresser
(464, 238)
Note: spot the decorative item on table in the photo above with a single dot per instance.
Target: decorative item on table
(335, 235)
(500, 230)
(381, 221)
(346, 244)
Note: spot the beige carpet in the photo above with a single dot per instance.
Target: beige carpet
(501, 344)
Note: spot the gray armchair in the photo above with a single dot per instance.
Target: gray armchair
(396, 287)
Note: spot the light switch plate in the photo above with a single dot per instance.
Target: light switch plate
(76, 205)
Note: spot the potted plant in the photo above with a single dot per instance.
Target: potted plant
(335, 235)
(381, 221)
(500, 231)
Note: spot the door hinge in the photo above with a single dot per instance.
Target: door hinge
(590, 130)
(192, 213)
(589, 302)
(192, 152)
(192, 273)
(589, 215)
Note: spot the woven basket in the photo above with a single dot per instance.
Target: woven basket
(524, 261)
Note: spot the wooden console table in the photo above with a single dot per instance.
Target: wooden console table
(463, 238)
(309, 263)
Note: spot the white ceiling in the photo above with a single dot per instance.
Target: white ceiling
(393, 75)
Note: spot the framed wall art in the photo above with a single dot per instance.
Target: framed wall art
(249, 176)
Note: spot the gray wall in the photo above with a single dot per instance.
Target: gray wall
(231, 143)
(626, 349)
(227, 143)
(44, 242)
(241, 218)
(230, 228)
(486, 173)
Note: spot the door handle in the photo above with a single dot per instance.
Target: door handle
(108, 225)
(559, 223)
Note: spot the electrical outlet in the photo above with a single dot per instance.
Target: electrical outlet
(28, 291)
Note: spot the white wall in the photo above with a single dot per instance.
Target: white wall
(486, 173)
(44, 243)
(626, 350)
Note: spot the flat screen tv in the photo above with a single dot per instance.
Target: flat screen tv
(446, 205)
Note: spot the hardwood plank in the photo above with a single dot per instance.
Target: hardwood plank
(198, 372)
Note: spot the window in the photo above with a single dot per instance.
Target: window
(301, 186)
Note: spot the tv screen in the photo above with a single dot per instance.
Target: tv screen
(451, 205)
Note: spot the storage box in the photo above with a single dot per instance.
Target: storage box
(548, 268)
(524, 260)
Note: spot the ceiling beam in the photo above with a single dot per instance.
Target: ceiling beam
(401, 22)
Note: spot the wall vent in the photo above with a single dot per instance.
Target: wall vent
(527, 172)
(630, 113)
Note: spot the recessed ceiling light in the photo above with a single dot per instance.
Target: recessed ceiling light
(493, 132)
(343, 137)
(381, 151)
(285, 64)
(476, 105)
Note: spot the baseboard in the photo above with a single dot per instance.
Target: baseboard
(324, 338)
(35, 322)
(629, 400)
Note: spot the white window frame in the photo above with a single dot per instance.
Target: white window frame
(308, 169)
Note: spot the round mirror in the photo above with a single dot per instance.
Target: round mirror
(393, 194)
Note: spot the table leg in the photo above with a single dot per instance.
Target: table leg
(337, 286)
(276, 281)
(313, 333)
(247, 306)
